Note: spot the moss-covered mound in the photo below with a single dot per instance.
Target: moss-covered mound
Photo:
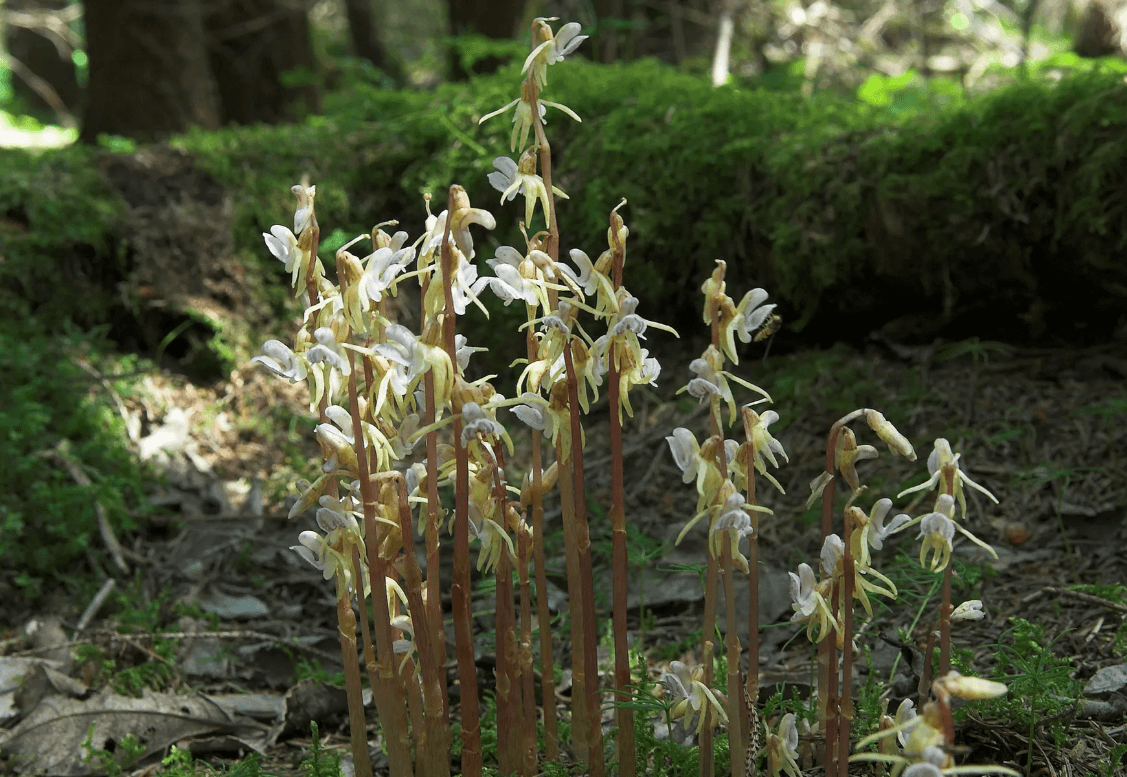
(992, 217)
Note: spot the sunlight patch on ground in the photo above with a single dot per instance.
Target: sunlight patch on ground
(14, 134)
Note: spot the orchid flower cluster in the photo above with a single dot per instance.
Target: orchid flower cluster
(824, 603)
(723, 471)
(398, 420)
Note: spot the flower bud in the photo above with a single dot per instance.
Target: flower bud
(897, 443)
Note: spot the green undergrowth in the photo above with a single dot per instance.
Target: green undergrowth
(807, 196)
(59, 247)
(1043, 695)
(51, 411)
(837, 205)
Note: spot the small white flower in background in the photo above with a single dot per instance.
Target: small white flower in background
(941, 458)
(704, 384)
(735, 521)
(970, 610)
(509, 285)
(588, 277)
(513, 178)
(477, 423)
(876, 531)
(833, 552)
(466, 287)
(281, 361)
(494, 540)
(327, 350)
(905, 713)
(404, 646)
(802, 592)
(533, 411)
(343, 419)
(782, 748)
(283, 245)
(552, 49)
(937, 530)
(764, 446)
(695, 697)
(650, 369)
(332, 552)
(304, 213)
(382, 267)
(922, 769)
(557, 320)
(628, 320)
(463, 351)
(686, 453)
(522, 116)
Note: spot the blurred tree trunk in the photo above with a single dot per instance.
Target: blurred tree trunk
(262, 58)
(39, 44)
(149, 74)
(496, 19)
(605, 38)
(365, 37)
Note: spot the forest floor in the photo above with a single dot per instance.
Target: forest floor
(215, 601)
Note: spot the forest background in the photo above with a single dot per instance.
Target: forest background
(944, 176)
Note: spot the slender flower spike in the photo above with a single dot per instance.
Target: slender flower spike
(943, 465)
(782, 748)
(513, 178)
(552, 48)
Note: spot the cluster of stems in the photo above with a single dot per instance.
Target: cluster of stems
(380, 390)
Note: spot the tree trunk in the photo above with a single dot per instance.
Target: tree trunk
(148, 69)
(262, 59)
(496, 19)
(39, 43)
(365, 38)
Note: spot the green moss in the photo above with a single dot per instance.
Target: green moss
(58, 218)
(49, 520)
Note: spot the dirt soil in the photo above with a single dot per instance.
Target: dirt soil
(1044, 430)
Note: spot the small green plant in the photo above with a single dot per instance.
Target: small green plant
(125, 754)
(320, 762)
(306, 668)
(1042, 691)
(63, 444)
